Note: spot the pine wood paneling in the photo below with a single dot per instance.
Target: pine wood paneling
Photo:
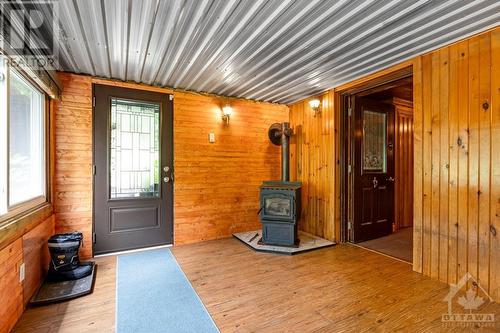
(72, 122)
(494, 195)
(31, 248)
(11, 290)
(456, 203)
(216, 185)
(459, 108)
(36, 256)
(313, 155)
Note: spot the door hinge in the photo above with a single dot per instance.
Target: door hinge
(349, 225)
(93, 237)
(171, 97)
(93, 101)
(93, 169)
(349, 112)
(349, 168)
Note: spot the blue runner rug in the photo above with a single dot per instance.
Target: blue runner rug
(154, 295)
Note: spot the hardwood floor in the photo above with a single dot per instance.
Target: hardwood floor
(92, 313)
(340, 289)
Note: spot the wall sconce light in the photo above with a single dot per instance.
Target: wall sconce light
(227, 111)
(314, 104)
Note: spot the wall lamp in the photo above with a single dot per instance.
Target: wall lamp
(314, 104)
(227, 111)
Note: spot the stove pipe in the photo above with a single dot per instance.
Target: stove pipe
(286, 132)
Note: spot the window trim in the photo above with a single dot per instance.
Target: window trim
(21, 210)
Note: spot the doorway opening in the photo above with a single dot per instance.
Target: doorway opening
(377, 160)
(132, 157)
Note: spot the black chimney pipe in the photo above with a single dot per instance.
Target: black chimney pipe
(279, 134)
(286, 131)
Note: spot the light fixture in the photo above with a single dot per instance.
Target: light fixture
(314, 104)
(227, 111)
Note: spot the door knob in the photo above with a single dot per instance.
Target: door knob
(166, 179)
(375, 182)
(166, 168)
(391, 179)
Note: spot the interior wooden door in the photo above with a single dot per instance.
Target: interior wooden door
(373, 169)
(133, 156)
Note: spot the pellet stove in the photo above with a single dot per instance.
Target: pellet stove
(280, 200)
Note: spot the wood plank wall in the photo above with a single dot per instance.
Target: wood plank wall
(456, 167)
(33, 251)
(457, 127)
(313, 158)
(216, 185)
(403, 163)
(72, 179)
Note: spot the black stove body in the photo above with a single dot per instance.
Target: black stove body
(280, 201)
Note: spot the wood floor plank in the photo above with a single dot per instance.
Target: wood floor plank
(339, 289)
(92, 313)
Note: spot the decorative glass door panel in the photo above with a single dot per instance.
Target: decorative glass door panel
(374, 141)
(134, 149)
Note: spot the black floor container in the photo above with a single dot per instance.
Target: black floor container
(68, 278)
(65, 264)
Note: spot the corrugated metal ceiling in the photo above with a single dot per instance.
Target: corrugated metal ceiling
(278, 51)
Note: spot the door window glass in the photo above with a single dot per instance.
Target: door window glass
(374, 141)
(135, 149)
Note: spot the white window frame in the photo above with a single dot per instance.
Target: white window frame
(9, 212)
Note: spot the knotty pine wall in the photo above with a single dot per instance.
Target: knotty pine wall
(456, 161)
(216, 185)
(313, 158)
(31, 249)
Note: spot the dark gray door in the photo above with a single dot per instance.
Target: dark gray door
(133, 192)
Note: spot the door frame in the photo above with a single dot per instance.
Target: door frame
(346, 125)
(169, 118)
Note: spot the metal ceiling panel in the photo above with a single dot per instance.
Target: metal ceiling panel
(276, 51)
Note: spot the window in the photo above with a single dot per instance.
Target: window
(22, 143)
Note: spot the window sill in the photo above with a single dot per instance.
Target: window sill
(16, 226)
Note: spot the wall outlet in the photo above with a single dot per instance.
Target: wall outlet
(211, 137)
(22, 272)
